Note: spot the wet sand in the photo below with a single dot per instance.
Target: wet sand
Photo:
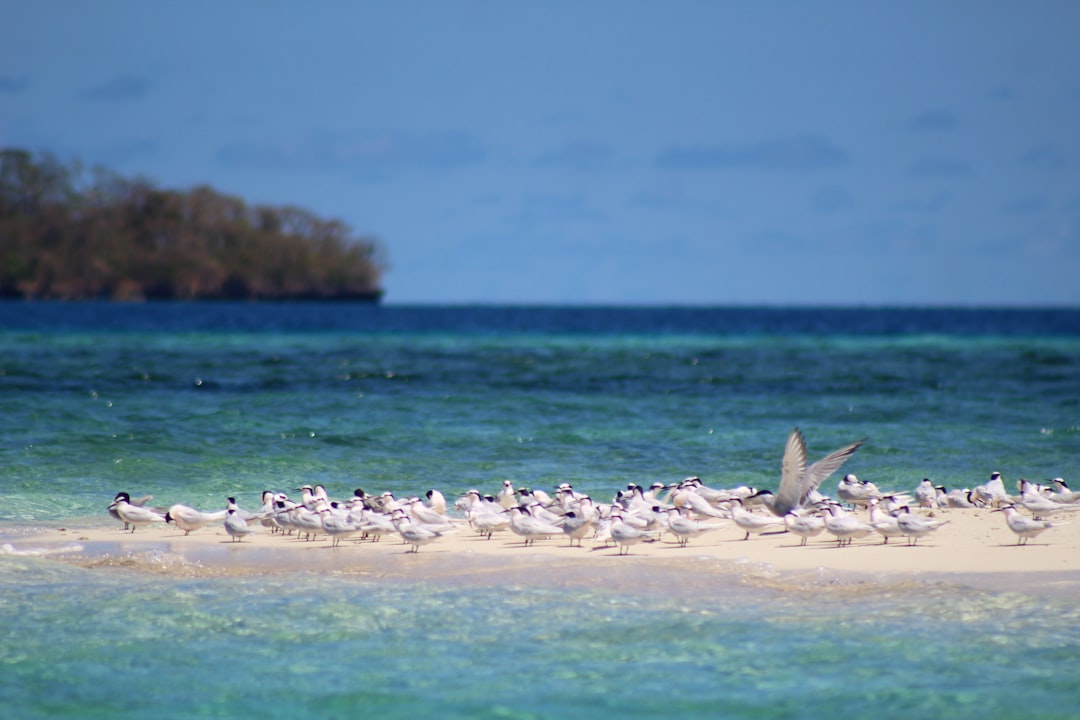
(975, 547)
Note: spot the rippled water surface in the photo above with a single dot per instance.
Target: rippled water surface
(195, 402)
(88, 643)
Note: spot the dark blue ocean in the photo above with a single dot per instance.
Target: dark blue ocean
(195, 402)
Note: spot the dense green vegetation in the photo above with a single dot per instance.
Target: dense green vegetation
(68, 233)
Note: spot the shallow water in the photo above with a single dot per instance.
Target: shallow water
(132, 644)
(192, 411)
(192, 403)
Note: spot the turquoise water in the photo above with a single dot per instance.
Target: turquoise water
(192, 403)
(88, 643)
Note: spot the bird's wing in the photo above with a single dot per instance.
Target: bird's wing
(797, 481)
(823, 468)
(792, 470)
(141, 514)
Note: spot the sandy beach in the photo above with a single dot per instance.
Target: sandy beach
(975, 547)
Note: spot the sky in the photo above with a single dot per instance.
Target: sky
(599, 152)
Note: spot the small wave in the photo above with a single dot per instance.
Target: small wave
(70, 549)
(153, 561)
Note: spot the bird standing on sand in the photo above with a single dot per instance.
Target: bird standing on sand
(338, 523)
(189, 519)
(1062, 493)
(507, 497)
(136, 502)
(844, 526)
(856, 492)
(1042, 506)
(436, 501)
(805, 526)
(236, 526)
(413, 534)
(1024, 527)
(992, 492)
(960, 498)
(376, 524)
(751, 523)
(625, 534)
(915, 527)
(885, 524)
(525, 525)
(577, 524)
(684, 527)
(134, 515)
(926, 494)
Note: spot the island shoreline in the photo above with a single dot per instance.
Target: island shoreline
(974, 549)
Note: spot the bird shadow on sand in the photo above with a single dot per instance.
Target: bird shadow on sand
(598, 548)
(425, 552)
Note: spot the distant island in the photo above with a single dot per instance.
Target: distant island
(71, 234)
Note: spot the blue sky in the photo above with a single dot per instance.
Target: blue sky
(599, 152)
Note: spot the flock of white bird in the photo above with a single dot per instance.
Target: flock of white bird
(684, 510)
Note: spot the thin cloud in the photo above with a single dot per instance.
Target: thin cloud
(579, 155)
(1044, 157)
(933, 204)
(13, 84)
(665, 197)
(940, 167)
(1031, 204)
(557, 208)
(831, 199)
(129, 150)
(121, 88)
(371, 152)
(934, 121)
(770, 242)
(799, 153)
(1003, 92)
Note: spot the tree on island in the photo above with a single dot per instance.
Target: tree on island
(66, 233)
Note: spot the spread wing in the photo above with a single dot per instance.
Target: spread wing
(796, 480)
(826, 466)
(792, 470)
